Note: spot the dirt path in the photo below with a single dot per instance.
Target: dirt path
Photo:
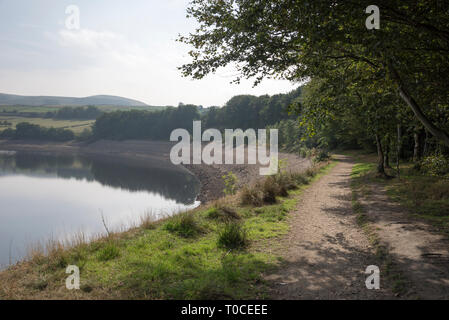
(327, 252)
(420, 253)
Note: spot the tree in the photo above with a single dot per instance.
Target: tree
(299, 39)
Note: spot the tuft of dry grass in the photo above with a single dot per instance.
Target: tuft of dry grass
(252, 196)
(222, 211)
(267, 190)
(148, 220)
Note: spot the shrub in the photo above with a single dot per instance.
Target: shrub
(321, 156)
(436, 165)
(230, 181)
(310, 172)
(270, 191)
(252, 195)
(233, 236)
(285, 182)
(85, 135)
(299, 178)
(7, 133)
(183, 225)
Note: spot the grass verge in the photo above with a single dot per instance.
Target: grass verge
(217, 251)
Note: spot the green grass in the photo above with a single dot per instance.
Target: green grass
(76, 126)
(109, 252)
(232, 236)
(196, 255)
(184, 225)
(162, 264)
(44, 109)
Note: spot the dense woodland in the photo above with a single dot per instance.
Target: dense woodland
(244, 111)
(385, 87)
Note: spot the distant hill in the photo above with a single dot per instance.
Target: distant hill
(101, 100)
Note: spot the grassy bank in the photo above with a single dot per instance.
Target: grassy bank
(217, 251)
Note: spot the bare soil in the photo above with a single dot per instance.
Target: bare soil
(327, 252)
(418, 250)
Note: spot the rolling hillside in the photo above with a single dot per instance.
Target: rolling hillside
(99, 100)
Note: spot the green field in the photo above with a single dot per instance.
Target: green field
(15, 115)
(76, 126)
(43, 109)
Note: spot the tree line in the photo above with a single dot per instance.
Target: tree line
(75, 113)
(243, 111)
(28, 131)
(385, 88)
(64, 113)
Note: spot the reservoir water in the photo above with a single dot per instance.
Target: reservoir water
(56, 197)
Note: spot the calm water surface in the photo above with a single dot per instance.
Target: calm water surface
(44, 197)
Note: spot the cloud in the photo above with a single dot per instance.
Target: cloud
(103, 47)
(88, 39)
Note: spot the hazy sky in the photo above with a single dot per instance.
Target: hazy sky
(124, 48)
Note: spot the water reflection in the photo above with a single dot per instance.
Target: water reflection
(42, 196)
(176, 185)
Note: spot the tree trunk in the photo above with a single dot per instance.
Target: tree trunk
(426, 144)
(405, 95)
(380, 157)
(399, 149)
(440, 134)
(416, 149)
(387, 153)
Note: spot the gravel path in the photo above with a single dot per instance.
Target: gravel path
(327, 253)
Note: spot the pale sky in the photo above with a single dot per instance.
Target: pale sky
(123, 48)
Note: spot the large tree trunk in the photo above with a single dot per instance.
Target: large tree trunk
(440, 134)
(406, 96)
(380, 157)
